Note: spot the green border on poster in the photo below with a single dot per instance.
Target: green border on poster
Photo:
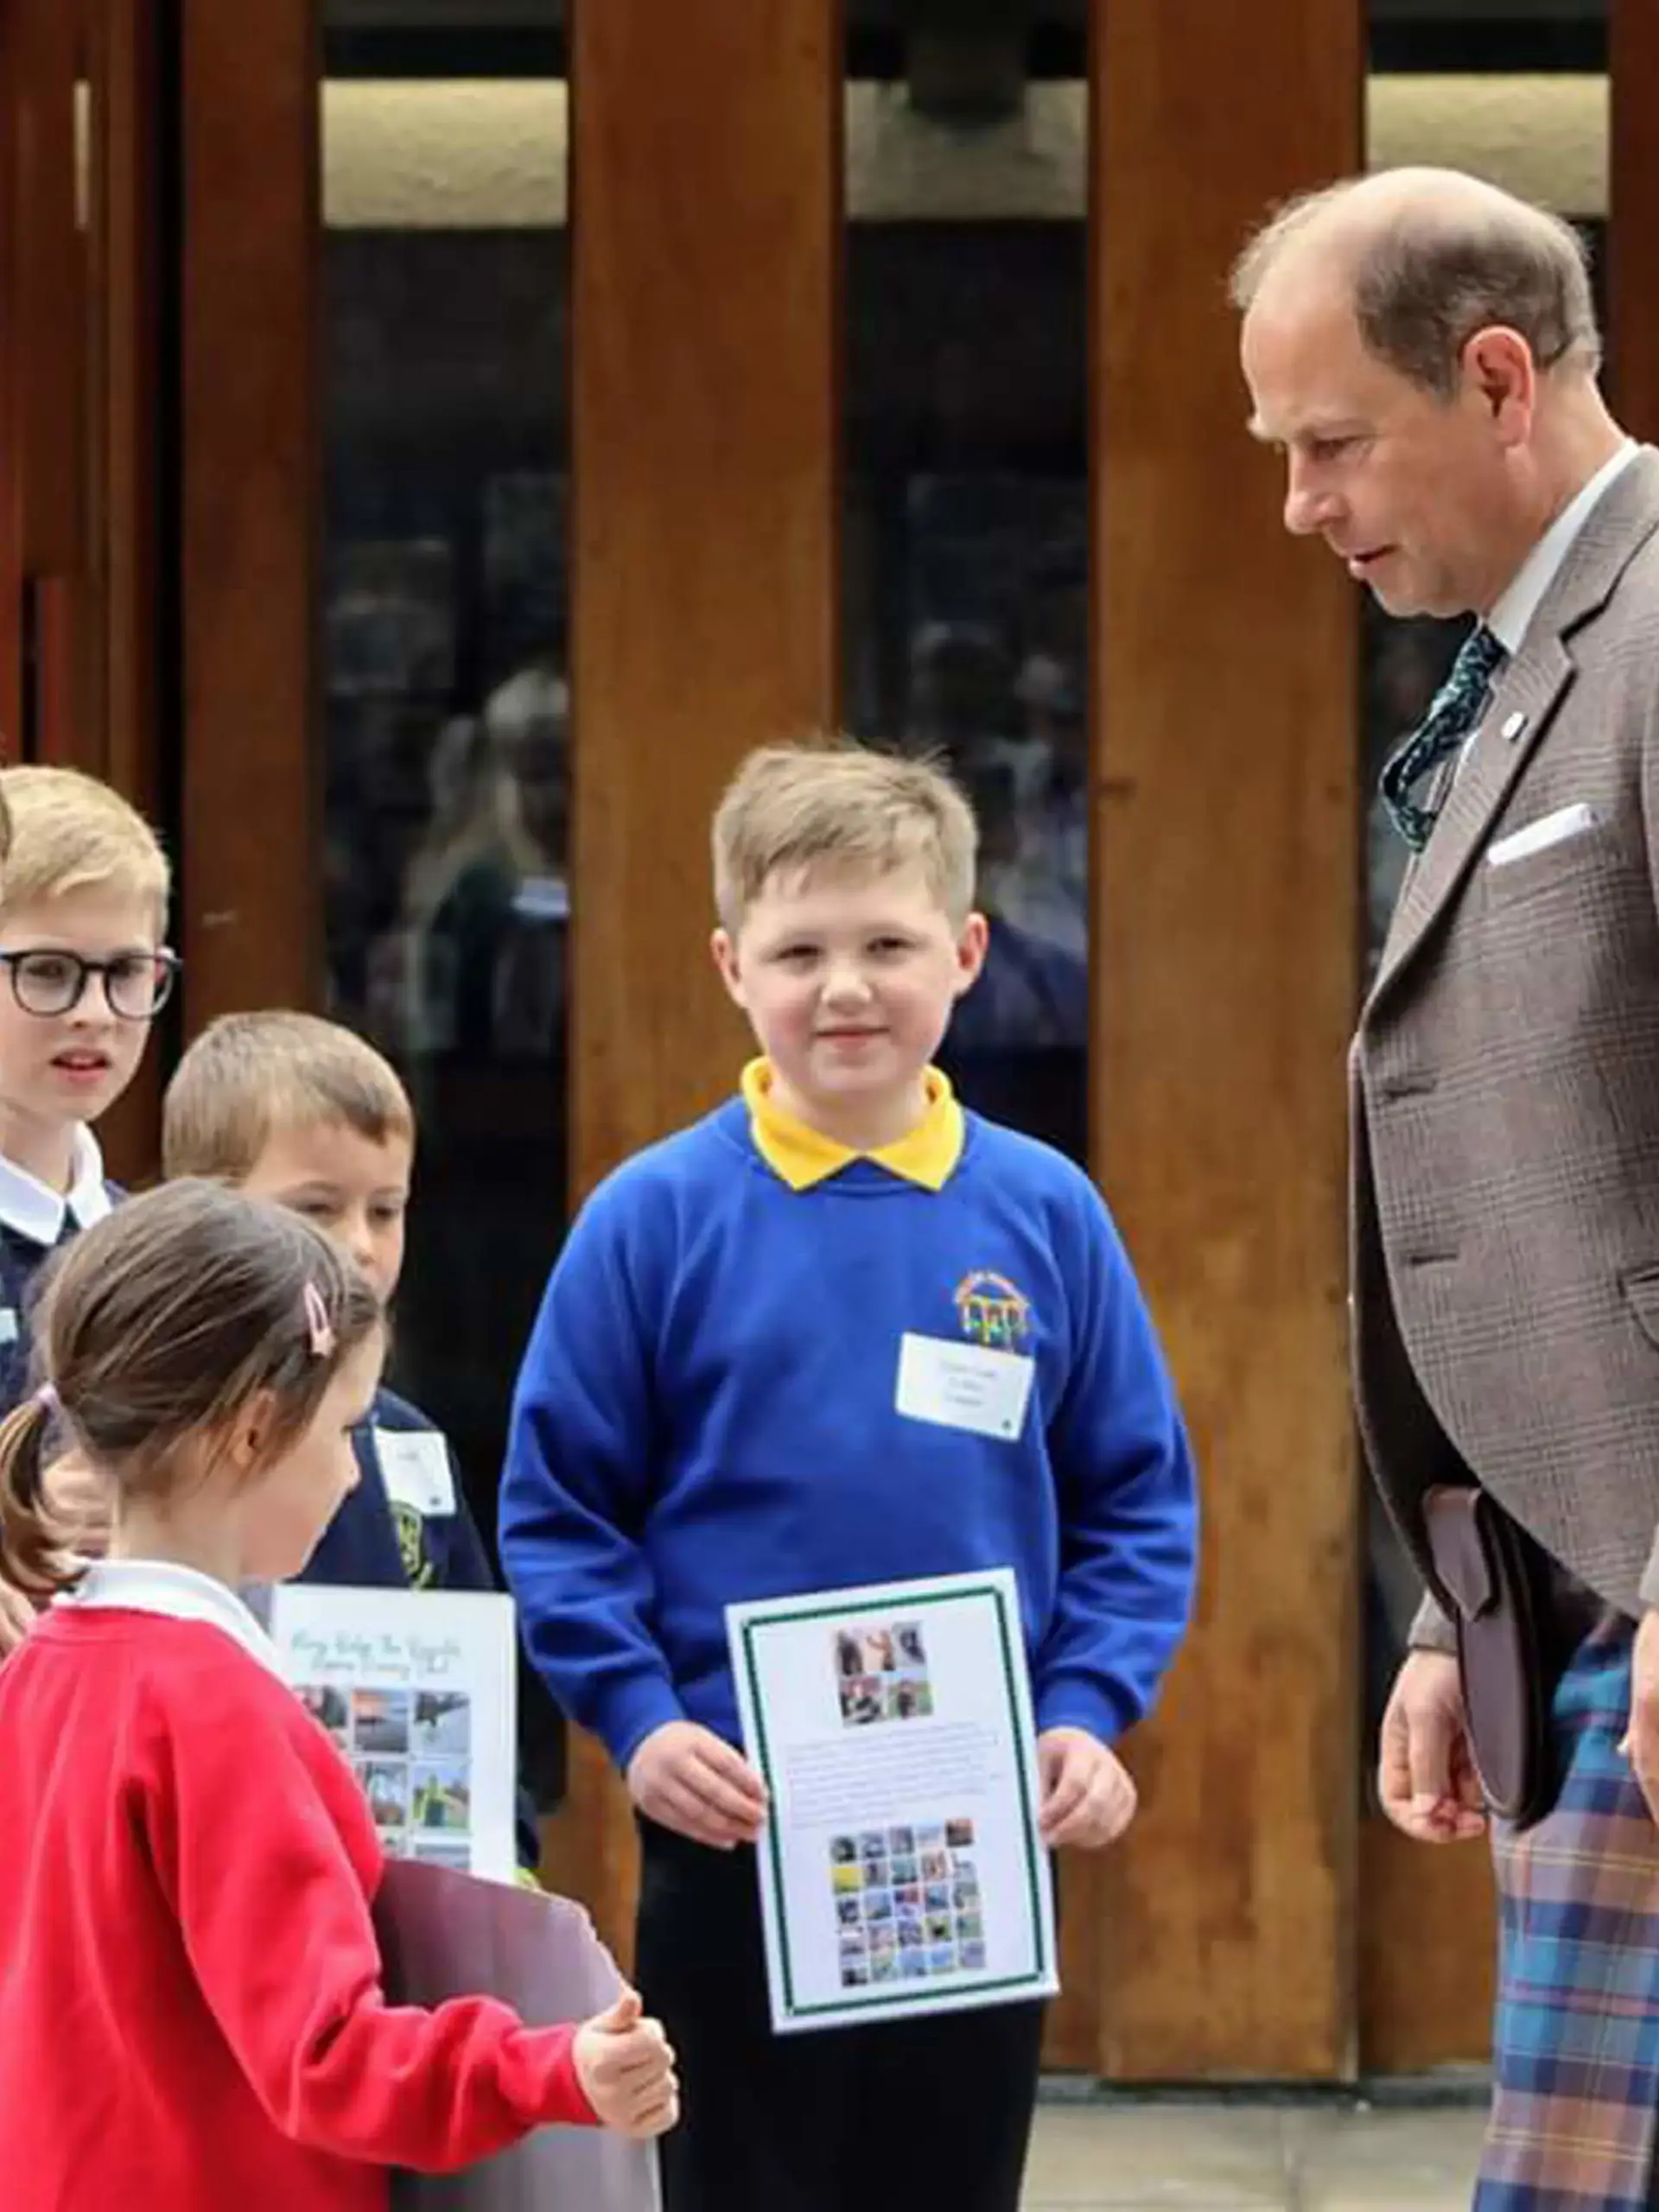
(894, 1601)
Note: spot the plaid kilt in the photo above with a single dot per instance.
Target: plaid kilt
(1575, 2043)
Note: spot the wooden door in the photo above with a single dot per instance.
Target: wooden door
(81, 528)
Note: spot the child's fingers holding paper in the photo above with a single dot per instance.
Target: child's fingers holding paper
(729, 1788)
(1064, 1766)
(685, 1779)
(733, 1771)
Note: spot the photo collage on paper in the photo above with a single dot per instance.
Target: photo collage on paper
(882, 1675)
(907, 1903)
(411, 1751)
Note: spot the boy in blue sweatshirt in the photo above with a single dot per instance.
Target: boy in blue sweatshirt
(712, 1407)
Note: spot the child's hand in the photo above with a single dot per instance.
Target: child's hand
(626, 2070)
(684, 1777)
(1088, 1797)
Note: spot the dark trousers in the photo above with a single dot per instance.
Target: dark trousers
(894, 2117)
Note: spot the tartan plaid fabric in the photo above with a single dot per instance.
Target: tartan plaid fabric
(1575, 2055)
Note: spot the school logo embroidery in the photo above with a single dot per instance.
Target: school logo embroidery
(992, 1311)
(418, 1570)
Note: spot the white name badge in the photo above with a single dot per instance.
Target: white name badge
(415, 1465)
(963, 1386)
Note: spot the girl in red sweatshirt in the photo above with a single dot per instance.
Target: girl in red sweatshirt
(190, 2006)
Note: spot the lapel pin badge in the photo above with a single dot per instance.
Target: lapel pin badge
(1513, 726)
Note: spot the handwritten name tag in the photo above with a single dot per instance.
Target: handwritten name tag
(963, 1386)
(414, 1467)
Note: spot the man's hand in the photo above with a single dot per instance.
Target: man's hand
(1641, 1742)
(684, 1777)
(1426, 1775)
(1088, 1797)
(626, 2070)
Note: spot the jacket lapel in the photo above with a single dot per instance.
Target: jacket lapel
(1532, 688)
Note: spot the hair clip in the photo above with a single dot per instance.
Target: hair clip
(317, 1321)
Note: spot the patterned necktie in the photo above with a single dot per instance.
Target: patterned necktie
(1452, 712)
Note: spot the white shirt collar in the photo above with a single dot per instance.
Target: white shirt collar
(1510, 619)
(180, 1594)
(35, 1209)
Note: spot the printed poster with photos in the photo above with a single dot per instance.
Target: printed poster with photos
(901, 1870)
(417, 1688)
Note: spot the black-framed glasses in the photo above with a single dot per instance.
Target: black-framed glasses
(136, 984)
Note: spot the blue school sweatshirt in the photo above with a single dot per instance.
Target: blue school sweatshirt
(706, 1413)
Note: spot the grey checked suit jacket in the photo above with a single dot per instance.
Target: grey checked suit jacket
(1503, 1092)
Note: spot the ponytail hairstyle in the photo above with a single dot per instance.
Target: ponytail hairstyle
(156, 1328)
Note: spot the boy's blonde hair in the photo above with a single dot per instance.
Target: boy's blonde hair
(248, 1076)
(794, 807)
(69, 832)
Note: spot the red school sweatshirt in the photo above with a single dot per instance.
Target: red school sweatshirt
(191, 2017)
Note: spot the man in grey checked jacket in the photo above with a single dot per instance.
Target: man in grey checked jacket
(1422, 349)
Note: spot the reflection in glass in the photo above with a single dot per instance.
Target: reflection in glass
(967, 599)
(448, 755)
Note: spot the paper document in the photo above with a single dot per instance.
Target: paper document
(418, 1689)
(901, 1871)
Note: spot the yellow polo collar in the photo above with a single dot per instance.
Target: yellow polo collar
(801, 1156)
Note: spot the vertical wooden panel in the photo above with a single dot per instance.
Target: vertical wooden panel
(11, 345)
(707, 211)
(77, 305)
(252, 920)
(94, 610)
(116, 731)
(1226, 820)
(125, 214)
(48, 306)
(1633, 208)
(1427, 1952)
(50, 300)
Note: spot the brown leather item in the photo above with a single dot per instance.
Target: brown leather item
(1493, 1572)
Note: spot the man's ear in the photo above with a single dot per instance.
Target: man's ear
(1498, 364)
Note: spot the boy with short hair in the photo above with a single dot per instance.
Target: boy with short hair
(299, 1111)
(710, 1409)
(83, 906)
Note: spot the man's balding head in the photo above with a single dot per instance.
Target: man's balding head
(1428, 258)
(1422, 348)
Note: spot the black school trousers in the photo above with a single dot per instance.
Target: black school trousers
(895, 2117)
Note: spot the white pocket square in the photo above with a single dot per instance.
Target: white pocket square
(1537, 836)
